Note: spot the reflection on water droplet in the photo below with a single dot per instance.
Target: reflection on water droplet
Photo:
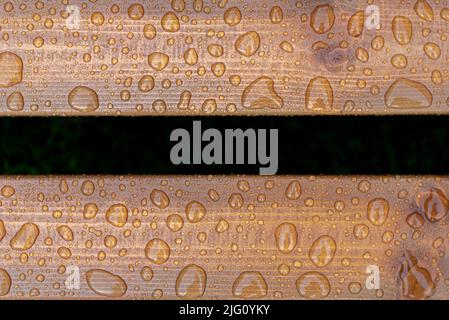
(286, 237)
(322, 18)
(25, 238)
(248, 43)
(322, 251)
(195, 211)
(105, 283)
(83, 99)
(157, 251)
(159, 198)
(416, 281)
(404, 94)
(433, 203)
(250, 285)
(313, 285)
(293, 190)
(319, 94)
(191, 282)
(5, 282)
(377, 211)
(117, 215)
(402, 29)
(261, 94)
(11, 67)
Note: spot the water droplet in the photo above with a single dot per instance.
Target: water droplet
(105, 283)
(7, 191)
(195, 211)
(322, 18)
(415, 220)
(286, 237)
(319, 94)
(65, 232)
(293, 190)
(158, 60)
(149, 31)
(250, 285)
(170, 22)
(25, 238)
(97, 18)
(191, 56)
(232, 16)
(5, 282)
(361, 231)
(424, 10)
(399, 61)
(15, 101)
(416, 281)
(432, 50)
(136, 11)
(159, 198)
(2, 230)
(404, 93)
(191, 282)
(83, 99)
(235, 201)
(146, 273)
(261, 94)
(248, 43)
(90, 211)
(146, 83)
(117, 215)
(12, 68)
(402, 29)
(356, 23)
(221, 226)
(433, 203)
(157, 251)
(322, 251)
(175, 222)
(313, 285)
(377, 211)
(276, 15)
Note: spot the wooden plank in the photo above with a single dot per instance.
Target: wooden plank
(223, 58)
(289, 237)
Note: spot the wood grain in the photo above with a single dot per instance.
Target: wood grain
(275, 231)
(224, 58)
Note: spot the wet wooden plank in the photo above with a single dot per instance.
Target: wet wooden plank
(223, 57)
(224, 237)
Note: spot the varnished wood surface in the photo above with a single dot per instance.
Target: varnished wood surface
(273, 230)
(225, 57)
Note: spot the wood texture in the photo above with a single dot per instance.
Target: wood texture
(289, 237)
(223, 57)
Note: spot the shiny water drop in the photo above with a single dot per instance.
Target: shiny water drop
(11, 66)
(286, 237)
(195, 211)
(402, 29)
(377, 211)
(322, 18)
(319, 94)
(83, 99)
(117, 215)
(191, 282)
(248, 43)
(261, 94)
(322, 251)
(157, 251)
(250, 285)
(25, 238)
(405, 93)
(313, 285)
(416, 281)
(159, 198)
(105, 283)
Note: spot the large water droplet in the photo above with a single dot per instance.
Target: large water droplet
(377, 211)
(191, 282)
(404, 94)
(248, 43)
(313, 285)
(83, 99)
(25, 238)
(250, 285)
(286, 237)
(402, 29)
(261, 94)
(195, 211)
(319, 94)
(322, 18)
(322, 251)
(416, 281)
(105, 283)
(117, 215)
(11, 67)
(157, 251)
(433, 203)
(5, 282)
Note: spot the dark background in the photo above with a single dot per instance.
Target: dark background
(307, 145)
